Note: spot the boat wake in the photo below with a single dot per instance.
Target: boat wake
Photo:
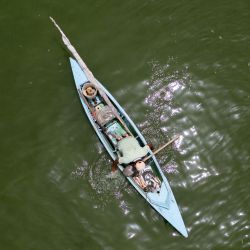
(108, 186)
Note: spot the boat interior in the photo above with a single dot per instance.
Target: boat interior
(118, 131)
(105, 114)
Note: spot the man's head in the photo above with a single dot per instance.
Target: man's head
(139, 165)
(90, 91)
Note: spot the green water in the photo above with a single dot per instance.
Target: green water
(176, 67)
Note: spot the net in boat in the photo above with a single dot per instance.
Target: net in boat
(131, 150)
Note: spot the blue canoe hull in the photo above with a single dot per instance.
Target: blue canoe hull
(164, 202)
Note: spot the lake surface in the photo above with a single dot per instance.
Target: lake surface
(177, 67)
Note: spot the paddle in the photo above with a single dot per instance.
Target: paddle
(114, 166)
(115, 163)
(162, 147)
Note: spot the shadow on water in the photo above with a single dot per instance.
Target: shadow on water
(106, 184)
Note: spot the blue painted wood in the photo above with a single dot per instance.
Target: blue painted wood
(164, 202)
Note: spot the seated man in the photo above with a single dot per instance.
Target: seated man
(131, 150)
(89, 90)
(145, 177)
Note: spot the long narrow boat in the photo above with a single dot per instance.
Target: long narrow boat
(161, 198)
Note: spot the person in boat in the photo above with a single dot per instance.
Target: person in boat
(146, 178)
(89, 90)
(143, 176)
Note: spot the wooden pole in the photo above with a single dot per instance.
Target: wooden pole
(162, 147)
(89, 74)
